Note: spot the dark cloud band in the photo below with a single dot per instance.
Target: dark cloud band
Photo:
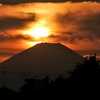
(14, 22)
(7, 37)
(79, 26)
(30, 1)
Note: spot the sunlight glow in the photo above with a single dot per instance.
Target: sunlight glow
(38, 31)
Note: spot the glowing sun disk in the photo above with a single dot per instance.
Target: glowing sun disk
(40, 32)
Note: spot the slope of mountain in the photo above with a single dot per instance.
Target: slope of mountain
(43, 59)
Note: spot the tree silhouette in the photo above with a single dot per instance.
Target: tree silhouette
(6, 92)
(86, 74)
(87, 71)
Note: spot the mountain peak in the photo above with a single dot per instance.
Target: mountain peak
(50, 45)
(44, 59)
(47, 44)
(43, 56)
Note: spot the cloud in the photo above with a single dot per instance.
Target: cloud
(14, 22)
(67, 37)
(5, 53)
(73, 23)
(30, 1)
(91, 25)
(8, 37)
(79, 25)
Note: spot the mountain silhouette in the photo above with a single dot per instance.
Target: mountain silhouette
(44, 59)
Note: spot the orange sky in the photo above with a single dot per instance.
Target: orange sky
(74, 24)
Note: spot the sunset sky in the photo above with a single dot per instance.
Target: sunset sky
(75, 24)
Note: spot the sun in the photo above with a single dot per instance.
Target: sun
(40, 32)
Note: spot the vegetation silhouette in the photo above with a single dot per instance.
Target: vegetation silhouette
(88, 71)
(6, 93)
(86, 74)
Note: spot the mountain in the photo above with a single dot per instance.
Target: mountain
(43, 59)
(46, 58)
